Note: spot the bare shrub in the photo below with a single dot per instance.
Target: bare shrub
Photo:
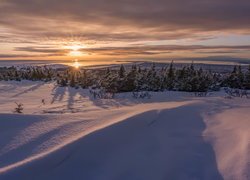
(19, 108)
(200, 94)
(141, 95)
(101, 94)
(236, 93)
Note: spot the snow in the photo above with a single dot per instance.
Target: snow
(229, 133)
(173, 135)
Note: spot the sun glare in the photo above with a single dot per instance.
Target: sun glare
(75, 47)
(76, 64)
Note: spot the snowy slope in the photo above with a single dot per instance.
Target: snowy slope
(174, 135)
(229, 133)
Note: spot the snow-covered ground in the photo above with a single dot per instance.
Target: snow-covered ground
(173, 135)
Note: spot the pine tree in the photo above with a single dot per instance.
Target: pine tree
(135, 79)
(63, 82)
(107, 78)
(232, 80)
(151, 78)
(130, 83)
(247, 79)
(72, 82)
(122, 72)
(170, 84)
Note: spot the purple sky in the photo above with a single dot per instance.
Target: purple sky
(124, 29)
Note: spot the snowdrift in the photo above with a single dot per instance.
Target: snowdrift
(171, 136)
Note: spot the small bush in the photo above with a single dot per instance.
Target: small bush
(19, 108)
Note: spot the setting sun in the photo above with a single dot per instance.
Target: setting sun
(76, 64)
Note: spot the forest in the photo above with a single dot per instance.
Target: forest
(134, 78)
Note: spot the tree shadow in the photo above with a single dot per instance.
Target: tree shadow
(120, 99)
(33, 88)
(17, 123)
(8, 87)
(126, 99)
(72, 92)
(58, 93)
(117, 101)
(22, 142)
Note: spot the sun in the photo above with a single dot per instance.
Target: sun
(76, 64)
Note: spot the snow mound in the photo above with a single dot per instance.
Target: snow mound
(173, 135)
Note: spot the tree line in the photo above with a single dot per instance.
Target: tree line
(135, 78)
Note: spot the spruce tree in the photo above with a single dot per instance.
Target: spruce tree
(130, 83)
(122, 72)
(247, 79)
(170, 77)
(72, 82)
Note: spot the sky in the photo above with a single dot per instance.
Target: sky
(124, 29)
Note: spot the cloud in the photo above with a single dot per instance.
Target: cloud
(47, 50)
(25, 25)
(228, 59)
(132, 50)
(119, 19)
(213, 14)
(7, 56)
(34, 52)
(163, 49)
